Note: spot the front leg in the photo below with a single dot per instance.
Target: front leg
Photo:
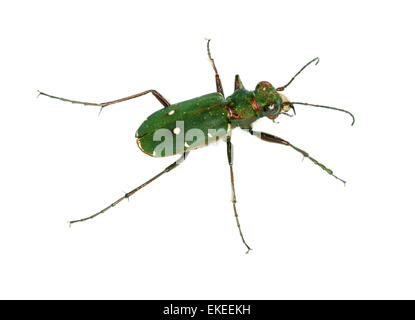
(238, 82)
(271, 138)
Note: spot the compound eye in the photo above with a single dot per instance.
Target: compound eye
(269, 108)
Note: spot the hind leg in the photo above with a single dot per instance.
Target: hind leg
(129, 194)
(157, 95)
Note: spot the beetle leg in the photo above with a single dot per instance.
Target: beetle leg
(271, 138)
(230, 162)
(238, 83)
(158, 96)
(129, 194)
(219, 87)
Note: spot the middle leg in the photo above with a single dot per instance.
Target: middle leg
(230, 162)
(219, 87)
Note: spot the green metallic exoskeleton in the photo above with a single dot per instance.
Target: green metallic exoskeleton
(210, 111)
(204, 113)
(191, 124)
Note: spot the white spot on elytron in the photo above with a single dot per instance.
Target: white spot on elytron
(186, 145)
(176, 130)
(263, 89)
(271, 107)
(210, 135)
(171, 112)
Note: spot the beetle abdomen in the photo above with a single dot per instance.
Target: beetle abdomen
(183, 126)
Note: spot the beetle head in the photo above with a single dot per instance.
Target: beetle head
(270, 101)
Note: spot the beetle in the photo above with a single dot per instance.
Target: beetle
(213, 116)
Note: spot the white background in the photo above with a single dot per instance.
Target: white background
(177, 238)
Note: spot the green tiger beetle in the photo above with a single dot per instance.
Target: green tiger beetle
(212, 116)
